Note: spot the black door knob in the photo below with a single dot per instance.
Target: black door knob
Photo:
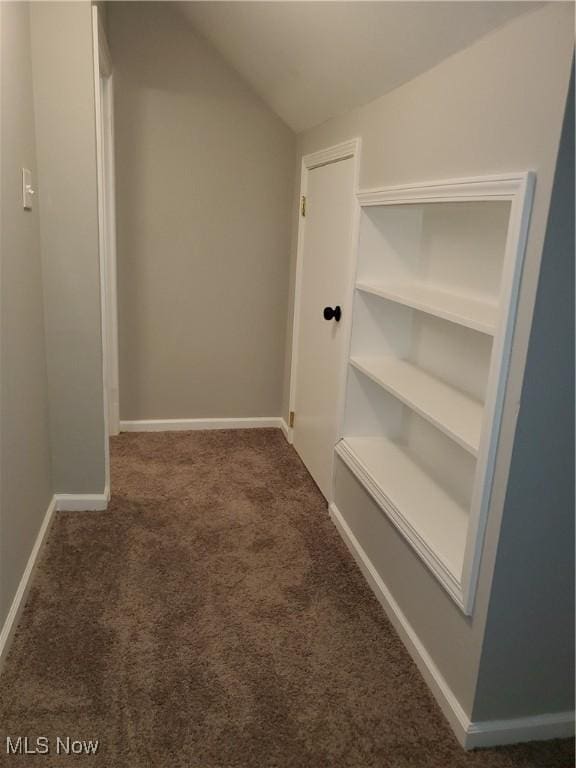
(332, 314)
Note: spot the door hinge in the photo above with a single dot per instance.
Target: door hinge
(303, 206)
(291, 419)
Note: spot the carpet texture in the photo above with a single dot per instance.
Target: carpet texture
(212, 618)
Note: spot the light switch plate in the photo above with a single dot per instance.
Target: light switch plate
(27, 189)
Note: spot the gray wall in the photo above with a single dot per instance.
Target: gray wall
(528, 651)
(25, 484)
(497, 106)
(66, 145)
(204, 185)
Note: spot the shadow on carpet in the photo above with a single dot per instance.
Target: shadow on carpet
(212, 618)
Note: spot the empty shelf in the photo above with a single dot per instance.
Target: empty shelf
(452, 412)
(457, 308)
(434, 523)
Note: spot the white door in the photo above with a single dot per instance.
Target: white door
(325, 273)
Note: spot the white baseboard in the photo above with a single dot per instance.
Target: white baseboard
(492, 733)
(179, 425)
(287, 432)
(448, 703)
(469, 734)
(82, 502)
(19, 600)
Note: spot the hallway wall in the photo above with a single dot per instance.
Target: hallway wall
(495, 107)
(25, 482)
(204, 174)
(67, 197)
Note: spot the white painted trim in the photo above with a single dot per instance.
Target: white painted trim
(11, 622)
(350, 294)
(518, 189)
(104, 108)
(109, 177)
(287, 432)
(105, 57)
(182, 425)
(297, 290)
(82, 502)
(438, 568)
(493, 733)
(449, 704)
(343, 151)
(331, 154)
(521, 195)
(101, 238)
(499, 187)
(470, 734)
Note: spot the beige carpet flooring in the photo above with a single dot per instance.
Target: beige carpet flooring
(212, 618)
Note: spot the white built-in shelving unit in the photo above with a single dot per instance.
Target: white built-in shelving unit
(434, 306)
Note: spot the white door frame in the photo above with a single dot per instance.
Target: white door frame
(104, 103)
(344, 151)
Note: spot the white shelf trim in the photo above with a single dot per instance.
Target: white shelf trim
(499, 187)
(518, 189)
(447, 572)
(463, 310)
(455, 414)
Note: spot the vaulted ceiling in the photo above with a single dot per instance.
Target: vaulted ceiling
(311, 61)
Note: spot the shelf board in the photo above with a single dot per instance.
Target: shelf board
(456, 308)
(433, 522)
(452, 412)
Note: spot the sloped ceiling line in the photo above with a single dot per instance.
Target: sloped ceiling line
(311, 61)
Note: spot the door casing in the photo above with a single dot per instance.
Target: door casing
(343, 151)
(104, 109)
